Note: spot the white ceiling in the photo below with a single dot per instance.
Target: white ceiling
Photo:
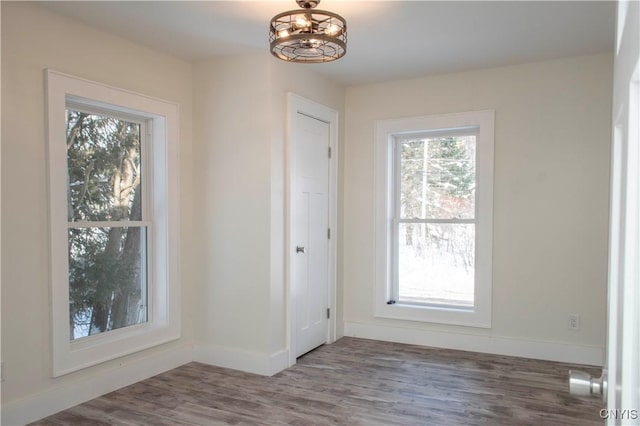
(387, 40)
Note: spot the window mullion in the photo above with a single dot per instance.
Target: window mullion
(416, 220)
(109, 224)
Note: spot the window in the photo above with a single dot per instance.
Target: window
(434, 218)
(113, 219)
(107, 232)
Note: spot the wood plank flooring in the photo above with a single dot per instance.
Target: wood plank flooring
(352, 382)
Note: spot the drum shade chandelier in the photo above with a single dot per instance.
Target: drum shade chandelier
(308, 35)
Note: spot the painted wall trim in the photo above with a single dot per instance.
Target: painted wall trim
(499, 345)
(251, 362)
(65, 395)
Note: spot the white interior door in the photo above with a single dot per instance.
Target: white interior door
(620, 380)
(623, 340)
(310, 231)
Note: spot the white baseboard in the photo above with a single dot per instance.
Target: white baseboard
(251, 362)
(66, 395)
(550, 351)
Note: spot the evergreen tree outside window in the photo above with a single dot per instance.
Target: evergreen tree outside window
(107, 264)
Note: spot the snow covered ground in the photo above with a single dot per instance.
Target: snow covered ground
(437, 275)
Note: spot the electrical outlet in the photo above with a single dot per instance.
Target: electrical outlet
(574, 322)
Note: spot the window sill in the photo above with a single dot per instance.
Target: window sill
(467, 317)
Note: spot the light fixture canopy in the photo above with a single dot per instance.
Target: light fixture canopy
(308, 35)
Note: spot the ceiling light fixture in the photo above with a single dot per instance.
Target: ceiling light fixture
(308, 35)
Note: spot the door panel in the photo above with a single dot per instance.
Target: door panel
(310, 227)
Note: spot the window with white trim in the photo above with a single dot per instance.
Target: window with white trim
(113, 221)
(434, 192)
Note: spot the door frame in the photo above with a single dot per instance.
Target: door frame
(297, 104)
(623, 333)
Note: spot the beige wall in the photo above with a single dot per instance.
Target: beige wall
(239, 174)
(231, 177)
(69, 47)
(552, 141)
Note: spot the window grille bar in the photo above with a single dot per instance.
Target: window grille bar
(107, 224)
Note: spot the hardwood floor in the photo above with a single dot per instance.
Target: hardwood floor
(352, 382)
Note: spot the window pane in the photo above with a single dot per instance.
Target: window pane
(107, 279)
(103, 168)
(438, 178)
(436, 263)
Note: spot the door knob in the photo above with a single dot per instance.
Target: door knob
(582, 384)
(299, 249)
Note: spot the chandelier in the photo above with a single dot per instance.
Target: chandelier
(308, 35)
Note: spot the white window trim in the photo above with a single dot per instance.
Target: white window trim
(385, 130)
(163, 323)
